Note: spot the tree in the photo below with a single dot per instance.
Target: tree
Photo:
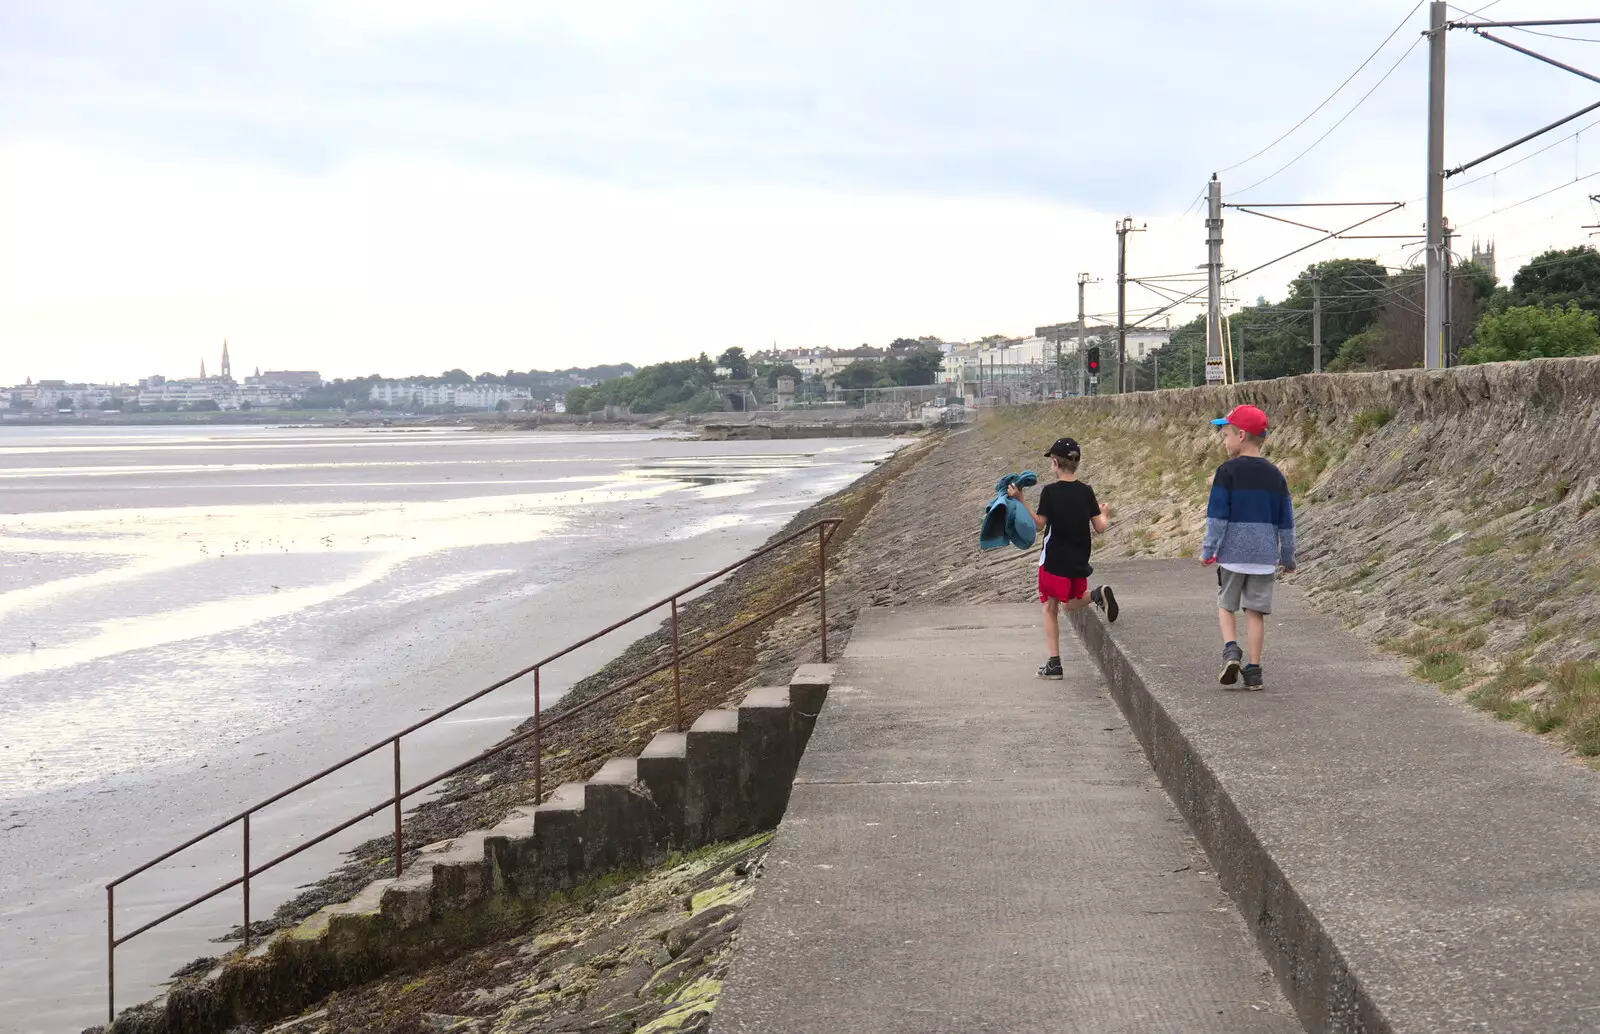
(922, 366)
(1556, 278)
(736, 363)
(782, 370)
(503, 406)
(1534, 332)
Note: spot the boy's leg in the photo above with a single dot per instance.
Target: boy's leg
(1255, 630)
(1052, 628)
(1229, 623)
(1257, 603)
(1229, 584)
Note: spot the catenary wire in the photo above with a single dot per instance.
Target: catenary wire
(1330, 96)
(1341, 121)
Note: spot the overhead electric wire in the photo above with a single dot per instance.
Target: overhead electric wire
(1330, 96)
(1523, 28)
(1519, 161)
(1526, 200)
(1342, 119)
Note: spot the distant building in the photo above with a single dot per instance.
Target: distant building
(1484, 256)
(302, 380)
(418, 395)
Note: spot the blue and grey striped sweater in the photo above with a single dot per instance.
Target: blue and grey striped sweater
(1249, 519)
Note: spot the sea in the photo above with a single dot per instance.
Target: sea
(192, 618)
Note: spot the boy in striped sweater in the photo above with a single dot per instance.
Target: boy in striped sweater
(1249, 536)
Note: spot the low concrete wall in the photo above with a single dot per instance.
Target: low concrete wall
(1313, 973)
(764, 431)
(727, 777)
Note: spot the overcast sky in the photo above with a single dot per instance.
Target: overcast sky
(393, 186)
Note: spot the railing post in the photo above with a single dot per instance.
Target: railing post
(247, 883)
(111, 955)
(398, 865)
(538, 744)
(677, 682)
(822, 584)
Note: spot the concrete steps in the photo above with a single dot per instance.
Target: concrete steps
(728, 776)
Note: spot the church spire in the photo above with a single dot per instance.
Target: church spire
(227, 368)
(202, 368)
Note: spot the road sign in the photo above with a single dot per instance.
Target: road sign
(1214, 371)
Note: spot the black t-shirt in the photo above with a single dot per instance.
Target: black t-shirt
(1068, 506)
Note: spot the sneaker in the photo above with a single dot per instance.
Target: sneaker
(1102, 597)
(1051, 670)
(1232, 661)
(1252, 676)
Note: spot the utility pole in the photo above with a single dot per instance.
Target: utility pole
(1124, 227)
(1238, 358)
(1316, 320)
(1448, 354)
(1215, 373)
(1085, 379)
(1434, 293)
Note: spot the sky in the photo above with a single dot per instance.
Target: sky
(397, 187)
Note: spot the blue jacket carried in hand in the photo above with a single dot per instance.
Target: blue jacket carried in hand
(1007, 520)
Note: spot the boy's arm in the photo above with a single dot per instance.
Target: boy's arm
(1286, 557)
(1218, 510)
(1039, 519)
(1098, 521)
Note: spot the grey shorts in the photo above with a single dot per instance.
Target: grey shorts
(1250, 591)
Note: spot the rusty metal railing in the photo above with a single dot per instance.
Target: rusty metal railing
(823, 530)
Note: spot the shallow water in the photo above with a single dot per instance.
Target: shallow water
(191, 618)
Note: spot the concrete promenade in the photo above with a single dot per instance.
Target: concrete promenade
(969, 849)
(1407, 863)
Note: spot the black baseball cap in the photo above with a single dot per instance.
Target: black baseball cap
(1065, 447)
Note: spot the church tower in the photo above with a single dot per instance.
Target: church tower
(202, 368)
(1484, 256)
(227, 368)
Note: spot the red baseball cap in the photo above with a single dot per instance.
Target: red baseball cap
(1248, 419)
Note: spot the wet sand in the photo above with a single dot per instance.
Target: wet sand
(191, 619)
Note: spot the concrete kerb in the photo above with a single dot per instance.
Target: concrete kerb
(729, 775)
(1314, 975)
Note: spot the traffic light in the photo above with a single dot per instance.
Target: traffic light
(1094, 360)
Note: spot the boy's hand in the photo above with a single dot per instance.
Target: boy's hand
(1013, 491)
(1105, 511)
(1207, 561)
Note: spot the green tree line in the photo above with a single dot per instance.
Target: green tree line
(1373, 320)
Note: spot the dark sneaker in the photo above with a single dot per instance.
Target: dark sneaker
(1051, 670)
(1232, 662)
(1102, 597)
(1252, 676)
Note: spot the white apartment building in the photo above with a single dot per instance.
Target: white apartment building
(413, 394)
(225, 393)
(47, 397)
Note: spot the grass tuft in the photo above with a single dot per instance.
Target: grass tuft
(1484, 545)
(1573, 706)
(1369, 420)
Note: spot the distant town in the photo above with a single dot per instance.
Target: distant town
(992, 366)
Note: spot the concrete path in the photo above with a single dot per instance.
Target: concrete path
(970, 849)
(1407, 863)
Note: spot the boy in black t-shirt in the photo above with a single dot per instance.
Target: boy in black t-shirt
(1068, 511)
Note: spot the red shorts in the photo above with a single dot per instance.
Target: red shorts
(1056, 587)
